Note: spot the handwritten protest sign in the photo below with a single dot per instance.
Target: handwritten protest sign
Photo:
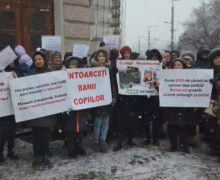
(39, 95)
(5, 95)
(185, 88)
(112, 41)
(51, 43)
(7, 56)
(80, 50)
(137, 77)
(89, 88)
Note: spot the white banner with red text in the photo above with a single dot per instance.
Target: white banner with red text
(39, 95)
(89, 87)
(5, 95)
(185, 88)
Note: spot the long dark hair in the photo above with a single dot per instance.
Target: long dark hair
(103, 52)
(42, 55)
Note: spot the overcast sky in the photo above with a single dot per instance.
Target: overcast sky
(143, 13)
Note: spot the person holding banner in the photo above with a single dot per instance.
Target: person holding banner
(179, 120)
(102, 114)
(74, 122)
(152, 111)
(7, 134)
(41, 126)
(127, 112)
(113, 56)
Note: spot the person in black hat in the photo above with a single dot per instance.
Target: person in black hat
(152, 112)
(202, 58)
(74, 122)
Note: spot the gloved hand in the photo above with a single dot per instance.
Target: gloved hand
(213, 81)
(114, 101)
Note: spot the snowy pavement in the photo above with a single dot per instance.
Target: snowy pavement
(143, 163)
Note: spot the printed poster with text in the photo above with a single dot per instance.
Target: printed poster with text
(39, 95)
(6, 107)
(185, 88)
(89, 87)
(138, 77)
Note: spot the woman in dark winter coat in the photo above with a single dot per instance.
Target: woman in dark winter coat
(127, 111)
(102, 114)
(113, 56)
(7, 134)
(152, 111)
(179, 121)
(214, 133)
(41, 126)
(202, 62)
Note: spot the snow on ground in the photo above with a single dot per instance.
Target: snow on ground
(140, 163)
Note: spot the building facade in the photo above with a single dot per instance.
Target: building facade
(76, 21)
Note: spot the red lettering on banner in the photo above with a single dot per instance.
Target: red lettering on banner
(95, 73)
(88, 100)
(86, 87)
(201, 95)
(90, 74)
(4, 99)
(4, 89)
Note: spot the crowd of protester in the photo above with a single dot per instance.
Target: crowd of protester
(120, 121)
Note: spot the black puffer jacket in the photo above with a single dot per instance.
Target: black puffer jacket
(202, 63)
(216, 81)
(76, 121)
(179, 116)
(7, 124)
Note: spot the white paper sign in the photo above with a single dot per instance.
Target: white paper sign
(112, 41)
(137, 77)
(39, 95)
(89, 87)
(51, 43)
(185, 88)
(7, 56)
(80, 50)
(6, 108)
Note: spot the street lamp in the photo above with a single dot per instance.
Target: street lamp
(139, 44)
(172, 24)
(149, 27)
